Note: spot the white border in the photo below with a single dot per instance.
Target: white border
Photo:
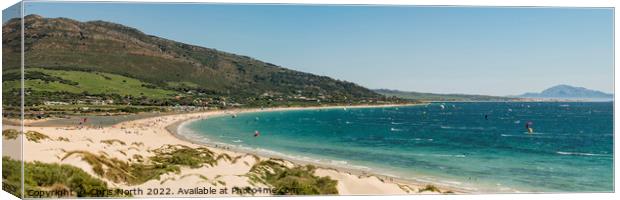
(561, 3)
(555, 3)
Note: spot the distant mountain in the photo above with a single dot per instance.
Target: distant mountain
(152, 63)
(569, 92)
(441, 97)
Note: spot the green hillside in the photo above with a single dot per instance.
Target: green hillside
(142, 65)
(45, 80)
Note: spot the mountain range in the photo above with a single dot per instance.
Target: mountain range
(569, 92)
(559, 92)
(442, 97)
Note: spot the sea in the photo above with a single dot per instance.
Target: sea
(481, 147)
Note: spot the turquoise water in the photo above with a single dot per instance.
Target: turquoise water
(571, 149)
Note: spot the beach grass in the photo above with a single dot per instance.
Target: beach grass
(297, 180)
(119, 171)
(10, 134)
(55, 178)
(184, 156)
(63, 139)
(405, 188)
(167, 159)
(111, 142)
(225, 157)
(430, 188)
(36, 136)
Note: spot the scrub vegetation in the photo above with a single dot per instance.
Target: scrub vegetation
(50, 180)
(36, 136)
(296, 180)
(10, 134)
(167, 159)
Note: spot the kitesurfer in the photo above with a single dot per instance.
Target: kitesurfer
(528, 126)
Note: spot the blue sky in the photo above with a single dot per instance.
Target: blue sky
(477, 50)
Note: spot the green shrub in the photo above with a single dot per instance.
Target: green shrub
(111, 142)
(430, 188)
(298, 180)
(10, 134)
(40, 176)
(119, 171)
(184, 156)
(11, 176)
(36, 136)
(167, 159)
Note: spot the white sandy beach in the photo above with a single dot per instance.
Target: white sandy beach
(143, 135)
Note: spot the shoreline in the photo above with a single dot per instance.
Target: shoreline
(173, 129)
(143, 137)
(139, 137)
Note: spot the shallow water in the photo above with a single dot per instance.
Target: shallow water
(570, 150)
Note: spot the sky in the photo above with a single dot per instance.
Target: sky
(471, 50)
